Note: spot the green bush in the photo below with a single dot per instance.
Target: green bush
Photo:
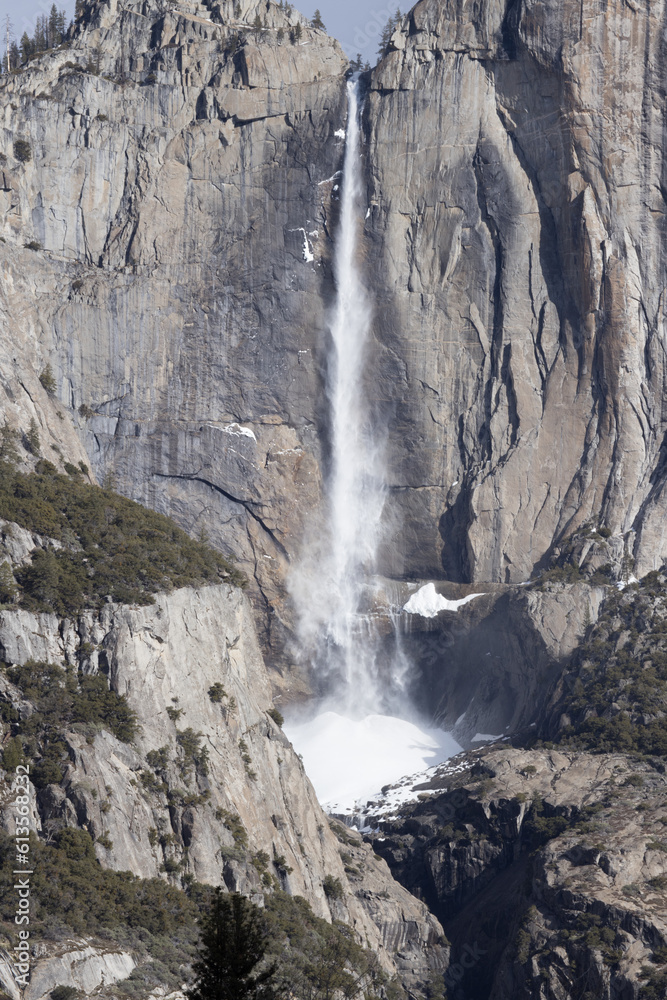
(615, 690)
(12, 754)
(64, 993)
(233, 823)
(8, 588)
(277, 716)
(60, 700)
(217, 692)
(22, 151)
(333, 887)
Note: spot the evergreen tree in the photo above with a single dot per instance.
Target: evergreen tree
(47, 378)
(233, 944)
(257, 24)
(41, 37)
(317, 21)
(388, 30)
(8, 441)
(14, 55)
(26, 46)
(32, 438)
(8, 588)
(53, 30)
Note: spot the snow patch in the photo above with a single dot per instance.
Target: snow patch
(307, 251)
(484, 737)
(239, 431)
(329, 179)
(340, 133)
(622, 584)
(428, 603)
(350, 760)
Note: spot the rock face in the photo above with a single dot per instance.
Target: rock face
(182, 183)
(83, 969)
(488, 666)
(252, 800)
(546, 868)
(515, 160)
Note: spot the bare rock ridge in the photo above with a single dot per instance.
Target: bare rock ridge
(230, 821)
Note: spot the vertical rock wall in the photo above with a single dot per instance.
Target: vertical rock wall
(517, 231)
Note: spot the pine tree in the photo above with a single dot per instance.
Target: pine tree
(257, 24)
(41, 37)
(53, 30)
(48, 380)
(8, 588)
(232, 947)
(317, 21)
(14, 55)
(26, 46)
(32, 438)
(8, 441)
(390, 27)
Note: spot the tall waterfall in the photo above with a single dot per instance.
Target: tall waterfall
(355, 486)
(332, 583)
(360, 736)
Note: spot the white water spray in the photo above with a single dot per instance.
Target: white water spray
(356, 495)
(331, 585)
(353, 747)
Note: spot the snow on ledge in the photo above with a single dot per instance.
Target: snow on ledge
(485, 738)
(428, 603)
(239, 431)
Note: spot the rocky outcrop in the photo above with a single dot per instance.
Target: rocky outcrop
(547, 869)
(84, 968)
(487, 667)
(516, 238)
(242, 814)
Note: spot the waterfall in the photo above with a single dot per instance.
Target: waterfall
(359, 735)
(333, 584)
(356, 494)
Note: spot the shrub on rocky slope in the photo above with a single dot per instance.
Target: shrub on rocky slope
(109, 545)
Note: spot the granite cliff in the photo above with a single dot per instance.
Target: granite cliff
(167, 207)
(182, 186)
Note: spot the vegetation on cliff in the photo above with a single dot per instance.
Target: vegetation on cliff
(111, 547)
(72, 894)
(613, 695)
(59, 700)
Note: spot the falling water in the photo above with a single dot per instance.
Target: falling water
(355, 486)
(353, 745)
(333, 583)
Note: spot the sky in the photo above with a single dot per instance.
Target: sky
(357, 24)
